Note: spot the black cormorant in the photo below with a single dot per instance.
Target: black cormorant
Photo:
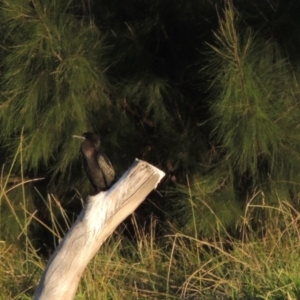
(97, 166)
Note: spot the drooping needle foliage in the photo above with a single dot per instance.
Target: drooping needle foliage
(206, 90)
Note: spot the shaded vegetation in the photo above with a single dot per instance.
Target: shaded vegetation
(208, 91)
(173, 265)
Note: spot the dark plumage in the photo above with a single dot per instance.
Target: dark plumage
(97, 166)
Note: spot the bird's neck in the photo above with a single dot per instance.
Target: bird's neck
(87, 148)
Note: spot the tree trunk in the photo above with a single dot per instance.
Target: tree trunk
(99, 218)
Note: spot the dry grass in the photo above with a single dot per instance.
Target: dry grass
(174, 266)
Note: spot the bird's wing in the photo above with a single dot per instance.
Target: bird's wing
(106, 166)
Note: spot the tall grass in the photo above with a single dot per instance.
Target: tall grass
(151, 266)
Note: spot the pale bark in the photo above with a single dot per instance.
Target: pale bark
(99, 218)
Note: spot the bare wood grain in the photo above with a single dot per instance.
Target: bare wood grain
(99, 218)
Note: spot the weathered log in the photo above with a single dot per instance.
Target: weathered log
(99, 218)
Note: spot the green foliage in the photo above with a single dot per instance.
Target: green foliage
(255, 112)
(52, 79)
(206, 90)
(173, 265)
(212, 206)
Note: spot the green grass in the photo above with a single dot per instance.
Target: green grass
(170, 266)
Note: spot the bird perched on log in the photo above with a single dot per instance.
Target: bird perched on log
(97, 166)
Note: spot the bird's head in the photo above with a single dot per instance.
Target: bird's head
(93, 138)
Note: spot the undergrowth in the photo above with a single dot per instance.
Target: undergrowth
(254, 265)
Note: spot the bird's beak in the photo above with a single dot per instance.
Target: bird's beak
(78, 137)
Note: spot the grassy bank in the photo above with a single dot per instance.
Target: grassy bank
(169, 266)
